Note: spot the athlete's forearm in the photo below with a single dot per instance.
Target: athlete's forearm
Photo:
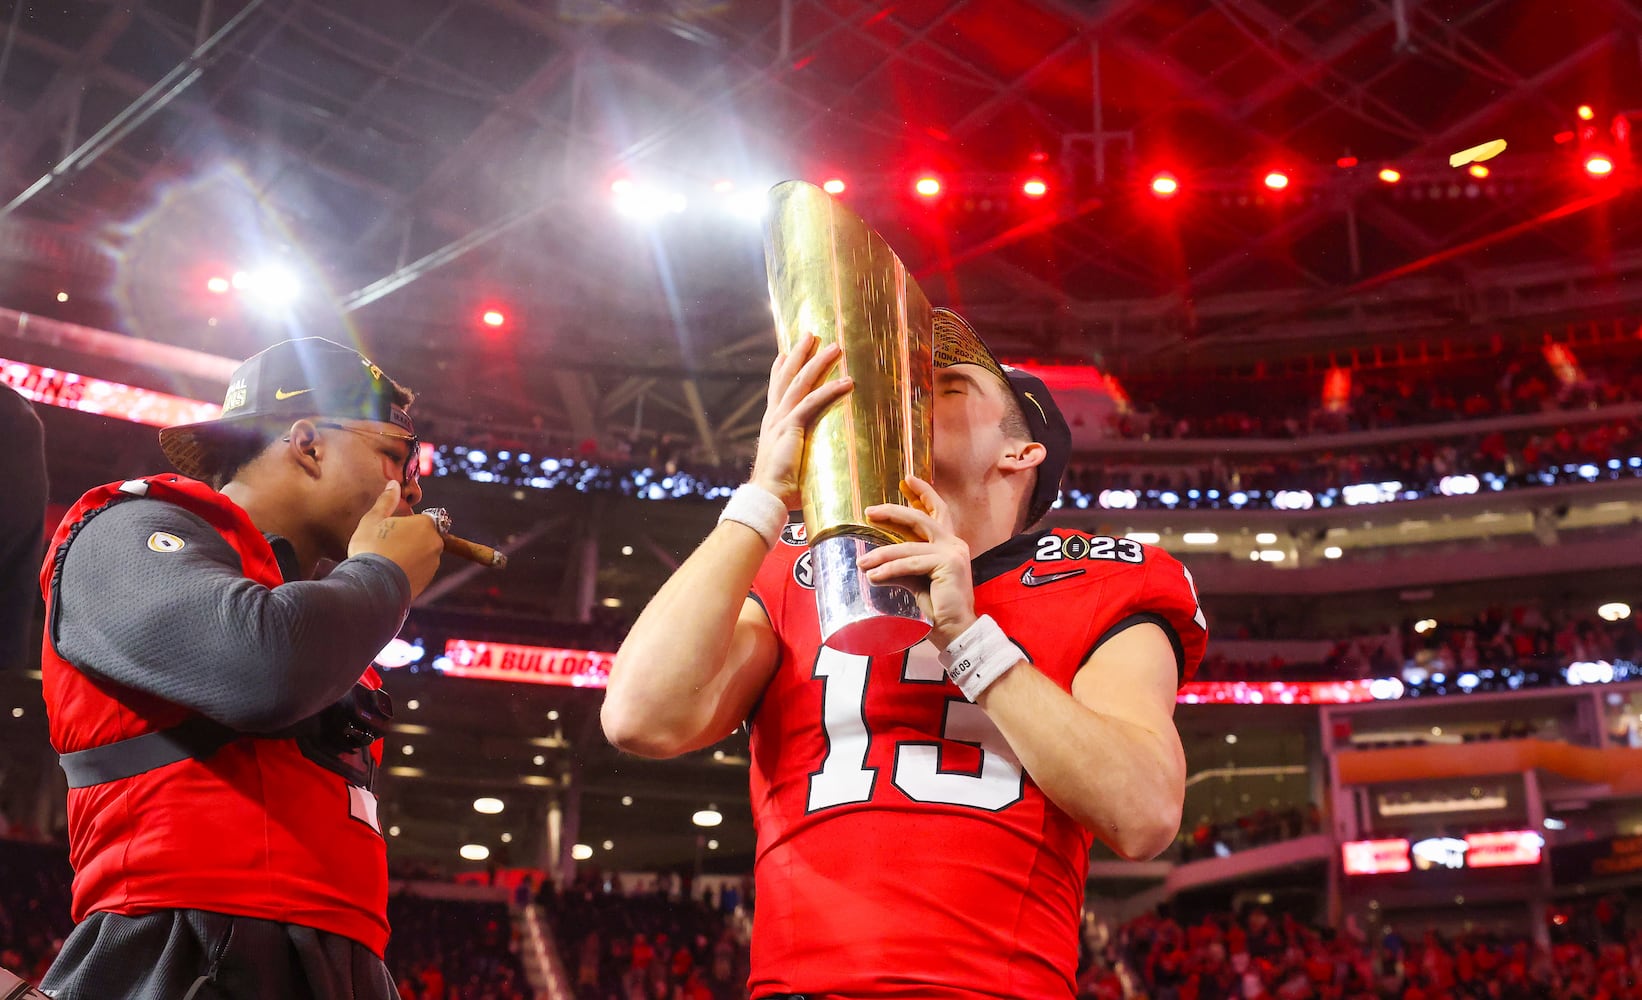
(1122, 781)
(672, 687)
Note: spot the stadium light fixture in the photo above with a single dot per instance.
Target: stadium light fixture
(1599, 165)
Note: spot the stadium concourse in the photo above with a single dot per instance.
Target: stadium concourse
(1386, 410)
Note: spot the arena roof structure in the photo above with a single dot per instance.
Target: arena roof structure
(419, 163)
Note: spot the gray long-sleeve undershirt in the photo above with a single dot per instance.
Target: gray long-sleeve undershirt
(187, 626)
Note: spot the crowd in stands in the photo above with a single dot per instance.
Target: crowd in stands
(1518, 636)
(34, 900)
(1420, 463)
(1258, 956)
(1263, 826)
(1521, 384)
(659, 945)
(453, 950)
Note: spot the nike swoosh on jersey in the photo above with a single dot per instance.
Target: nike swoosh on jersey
(1032, 579)
(282, 395)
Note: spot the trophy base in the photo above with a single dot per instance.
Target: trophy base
(858, 616)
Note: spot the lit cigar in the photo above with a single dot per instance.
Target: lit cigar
(484, 555)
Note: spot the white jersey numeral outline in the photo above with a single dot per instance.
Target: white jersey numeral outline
(844, 778)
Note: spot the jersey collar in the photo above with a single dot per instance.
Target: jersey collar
(1002, 558)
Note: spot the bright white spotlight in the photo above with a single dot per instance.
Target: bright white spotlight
(1292, 500)
(1385, 689)
(1119, 499)
(749, 205)
(474, 852)
(1200, 538)
(1617, 611)
(640, 201)
(1265, 538)
(581, 852)
(488, 806)
(1333, 552)
(1144, 537)
(398, 653)
(272, 285)
(707, 817)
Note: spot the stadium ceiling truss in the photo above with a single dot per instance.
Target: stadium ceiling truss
(422, 149)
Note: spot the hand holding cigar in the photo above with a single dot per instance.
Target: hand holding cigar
(484, 555)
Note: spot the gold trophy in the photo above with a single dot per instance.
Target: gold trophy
(833, 277)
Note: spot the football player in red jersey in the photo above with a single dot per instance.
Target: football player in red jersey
(924, 819)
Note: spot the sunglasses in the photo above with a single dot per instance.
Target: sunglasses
(411, 471)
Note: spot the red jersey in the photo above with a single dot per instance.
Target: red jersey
(902, 851)
(256, 830)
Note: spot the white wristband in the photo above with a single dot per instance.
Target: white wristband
(758, 509)
(980, 656)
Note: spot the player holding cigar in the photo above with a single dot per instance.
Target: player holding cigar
(214, 705)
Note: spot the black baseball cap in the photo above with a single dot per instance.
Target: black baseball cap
(310, 377)
(957, 343)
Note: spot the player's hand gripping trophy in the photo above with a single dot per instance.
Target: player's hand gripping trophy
(832, 277)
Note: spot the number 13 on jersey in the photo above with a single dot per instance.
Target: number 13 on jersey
(844, 777)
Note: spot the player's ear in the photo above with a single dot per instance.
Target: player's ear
(304, 445)
(1022, 455)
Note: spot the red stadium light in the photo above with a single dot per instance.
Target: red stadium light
(218, 285)
(1586, 112)
(1479, 170)
(1035, 188)
(1390, 175)
(927, 187)
(1346, 162)
(1599, 164)
(1165, 185)
(833, 186)
(493, 317)
(1277, 180)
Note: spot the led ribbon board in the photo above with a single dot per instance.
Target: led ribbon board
(496, 661)
(72, 391)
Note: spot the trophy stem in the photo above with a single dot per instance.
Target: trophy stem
(857, 615)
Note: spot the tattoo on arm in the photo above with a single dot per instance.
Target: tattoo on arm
(383, 529)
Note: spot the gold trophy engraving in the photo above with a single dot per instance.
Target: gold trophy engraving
(833, 277)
